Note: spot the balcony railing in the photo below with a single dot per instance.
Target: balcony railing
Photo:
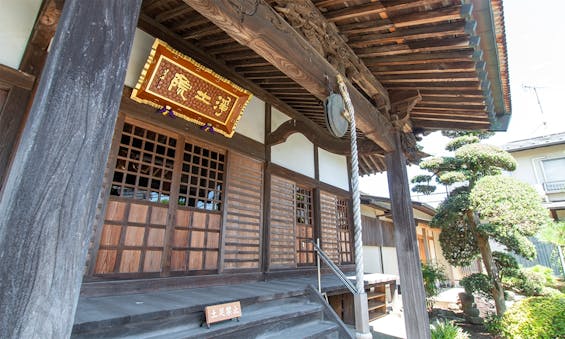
(554, 186)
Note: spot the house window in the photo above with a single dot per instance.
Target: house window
(304, 226)
(144, 165)
(554, 174)
(202, 178)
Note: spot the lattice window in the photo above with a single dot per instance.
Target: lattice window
(304, 226)
(144, 165)
(344, 232)
(202, 178)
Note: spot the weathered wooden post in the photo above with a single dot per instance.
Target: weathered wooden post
(49, 200)
(411, 282)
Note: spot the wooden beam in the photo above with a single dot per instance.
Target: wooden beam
(48, 203)
(12, 118)
(437, 45)
(413, 294)
(275, 40)
(449, 125)
(329, 143)
(10, 77)
(43, 31)
(409, 34)
(431, 67)
(421, 58)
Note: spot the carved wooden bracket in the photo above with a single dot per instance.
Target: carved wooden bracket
(324, 36)
(402, 103)
(322, 140)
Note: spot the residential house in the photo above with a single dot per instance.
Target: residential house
(541, 163)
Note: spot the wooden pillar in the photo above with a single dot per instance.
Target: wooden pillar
(412, 285)
(48, 204)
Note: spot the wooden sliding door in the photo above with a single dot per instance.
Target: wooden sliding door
(165, 211)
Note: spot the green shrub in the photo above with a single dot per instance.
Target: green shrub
(447, 330)
(477, 282)
(493, 324)
(535, 317)
(544, 273)
(550, 291)
(528, 282)
(433, 275)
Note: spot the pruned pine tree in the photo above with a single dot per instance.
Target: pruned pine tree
(484, 205)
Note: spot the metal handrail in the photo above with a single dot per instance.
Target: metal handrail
(322, 255)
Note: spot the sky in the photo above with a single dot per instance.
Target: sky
(535, 37)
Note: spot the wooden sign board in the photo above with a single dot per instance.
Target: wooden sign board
(192, 91)
(220, 312)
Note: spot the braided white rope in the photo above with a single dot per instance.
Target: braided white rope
(359, 268)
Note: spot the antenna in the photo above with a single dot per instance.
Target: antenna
(535, 89)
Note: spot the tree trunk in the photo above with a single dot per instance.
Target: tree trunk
(486, 253)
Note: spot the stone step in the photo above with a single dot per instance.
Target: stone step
(313, 330)
(257, 318)
(176, 314)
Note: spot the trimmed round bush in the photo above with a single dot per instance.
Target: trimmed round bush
(535, 317)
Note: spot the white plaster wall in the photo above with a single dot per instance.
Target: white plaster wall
(252, 122)
(372, 259)
(333, 169)
(390, 261)
(142, 43)
(296, 154)
(17, 18)
(277, 118)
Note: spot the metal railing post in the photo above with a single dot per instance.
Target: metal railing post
(319, 269)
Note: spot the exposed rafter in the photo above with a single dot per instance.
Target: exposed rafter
(306, 18)
(274, 39)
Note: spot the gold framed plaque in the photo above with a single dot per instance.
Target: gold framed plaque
(179, 84)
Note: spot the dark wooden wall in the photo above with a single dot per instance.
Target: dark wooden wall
(377, 232)
(15, 90)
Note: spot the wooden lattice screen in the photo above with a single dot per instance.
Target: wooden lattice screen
(147, 200)
(304, 226)
(282, 223)
(244, 213)
(133, 234)
(345, 238)
(328, 204)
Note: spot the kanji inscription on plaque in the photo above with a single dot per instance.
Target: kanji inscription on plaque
(220, 312)
(193, 92)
